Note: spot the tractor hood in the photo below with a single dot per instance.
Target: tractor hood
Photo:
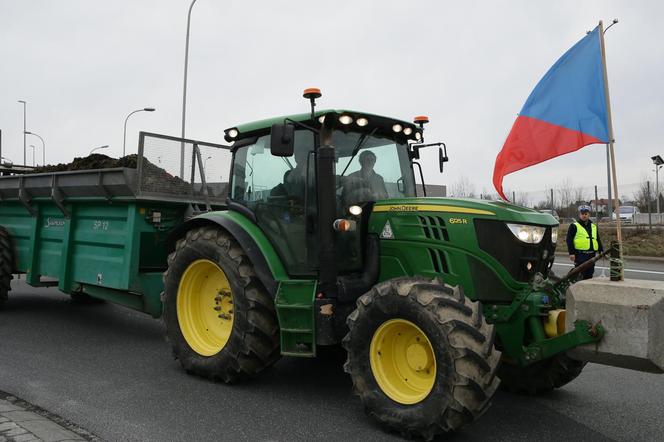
(489, 247)
(466, 208)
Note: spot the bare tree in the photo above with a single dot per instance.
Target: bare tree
(580, 195)
(641, 196)
(565, 193)
(486, 195)
(463, 188)
(522, 199)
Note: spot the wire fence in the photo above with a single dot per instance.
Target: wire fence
(564, 198)
(170, 166)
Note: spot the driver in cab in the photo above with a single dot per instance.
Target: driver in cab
(365, 184)
(295, 179)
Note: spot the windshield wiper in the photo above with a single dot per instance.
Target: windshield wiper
(358, 146)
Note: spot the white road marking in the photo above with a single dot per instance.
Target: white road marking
(653, 272)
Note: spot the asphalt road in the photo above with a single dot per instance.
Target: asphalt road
(109, 370)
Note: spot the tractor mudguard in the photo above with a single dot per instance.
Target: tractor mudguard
(264, 258)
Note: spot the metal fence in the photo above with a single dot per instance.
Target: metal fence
(178, 168)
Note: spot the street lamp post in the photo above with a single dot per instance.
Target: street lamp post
(184, 88)
(43, 146)
(124, 140)
(105, 146)
(25, 105)
(658, 161)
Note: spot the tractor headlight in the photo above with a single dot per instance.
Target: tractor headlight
(362, 122)
(231, 134)
(554, 234)
(355, 210)
(528, 234)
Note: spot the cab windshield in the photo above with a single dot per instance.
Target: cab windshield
(371, 168)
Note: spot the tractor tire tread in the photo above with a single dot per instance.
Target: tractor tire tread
(540, 377)
(254, 342)
(470, 348)
(6, 265)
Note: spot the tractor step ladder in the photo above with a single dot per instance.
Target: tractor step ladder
(295, 311)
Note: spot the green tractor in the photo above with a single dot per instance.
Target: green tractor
(324, 241)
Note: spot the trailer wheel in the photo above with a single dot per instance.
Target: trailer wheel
(220, 320)
(540, 377)
(421, 356)
(6, 265)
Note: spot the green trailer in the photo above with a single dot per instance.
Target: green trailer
(309, 233)
(104, 233)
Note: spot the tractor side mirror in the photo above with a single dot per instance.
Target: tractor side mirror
(282, 140)
(442, 157)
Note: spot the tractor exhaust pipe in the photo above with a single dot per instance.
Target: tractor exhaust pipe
(327, 209)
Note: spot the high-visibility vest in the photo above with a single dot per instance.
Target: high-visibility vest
(582, 241)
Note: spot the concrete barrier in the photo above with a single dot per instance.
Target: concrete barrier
(631, 312)
(642, 218)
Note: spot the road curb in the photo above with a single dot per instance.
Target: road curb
(22, 421)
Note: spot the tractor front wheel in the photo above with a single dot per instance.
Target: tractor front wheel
(220, 320)
(540, 377)
(421, 356)
(6, 265)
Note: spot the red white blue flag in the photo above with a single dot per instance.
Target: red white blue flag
(565, 112)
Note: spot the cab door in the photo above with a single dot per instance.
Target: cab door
(281, 193)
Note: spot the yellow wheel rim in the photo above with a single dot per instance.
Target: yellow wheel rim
(205, 307)
(402, 361)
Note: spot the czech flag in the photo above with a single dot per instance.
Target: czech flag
(565, 112)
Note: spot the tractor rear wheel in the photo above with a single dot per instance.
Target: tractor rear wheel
(421, 356)
(220, 320)
(540, 377)
(6, 265)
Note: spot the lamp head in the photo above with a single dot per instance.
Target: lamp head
(657, 160)
(149, 109)
(311, 93)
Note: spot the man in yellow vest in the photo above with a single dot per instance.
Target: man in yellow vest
(583, 241)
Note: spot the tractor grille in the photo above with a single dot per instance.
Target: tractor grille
(488, 287)
(434, 228)
(439, 261)
(495, 238)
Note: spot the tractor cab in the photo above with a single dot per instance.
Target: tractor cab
(275, 179)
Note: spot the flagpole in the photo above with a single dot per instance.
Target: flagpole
(616, 206)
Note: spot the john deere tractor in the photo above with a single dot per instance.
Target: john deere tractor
(324, 241)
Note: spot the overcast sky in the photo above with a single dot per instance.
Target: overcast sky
(83, 65)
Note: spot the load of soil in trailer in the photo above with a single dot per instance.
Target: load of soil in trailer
(94, 161)
(155, 179)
